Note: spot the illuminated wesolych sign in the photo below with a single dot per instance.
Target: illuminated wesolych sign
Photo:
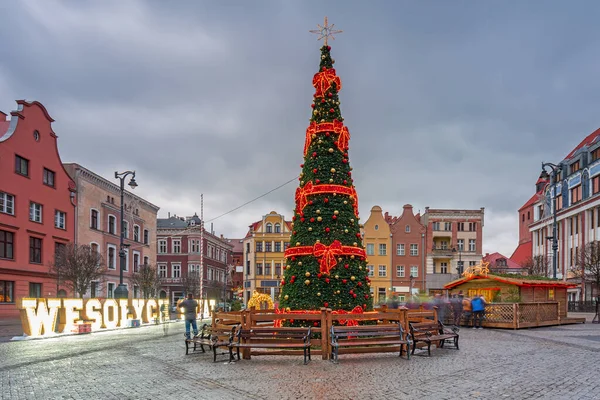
(43, 317)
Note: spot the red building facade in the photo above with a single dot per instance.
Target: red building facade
(37, 202)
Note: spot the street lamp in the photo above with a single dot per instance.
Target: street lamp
(121, 291)
(555, 171)
(459, 265)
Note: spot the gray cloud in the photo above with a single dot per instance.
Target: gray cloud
(450, 104)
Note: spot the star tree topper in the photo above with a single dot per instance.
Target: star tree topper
(325, 31)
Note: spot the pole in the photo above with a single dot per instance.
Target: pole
(554, 233)
(121, 292)
(202, 250)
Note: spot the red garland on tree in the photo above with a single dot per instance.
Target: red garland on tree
(326, 245)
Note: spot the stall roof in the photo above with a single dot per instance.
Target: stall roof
(518, 281)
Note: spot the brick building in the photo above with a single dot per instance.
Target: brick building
(37, 203)
(237, 274)
(98, 224)
(179, 242)
(407, 252)
(376, 237)
(453, 237)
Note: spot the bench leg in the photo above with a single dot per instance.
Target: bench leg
(187, 347)
(408, 350)
(429, 348)
(456, 342)
(238, 353)
(214, 354)
(414, 348)
(305, 358)
(309, 354)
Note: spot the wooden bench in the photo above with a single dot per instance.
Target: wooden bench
(272, 338)
(429, 332)
(374, 337)
(213, 338)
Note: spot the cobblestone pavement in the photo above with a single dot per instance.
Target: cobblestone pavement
(144, 363)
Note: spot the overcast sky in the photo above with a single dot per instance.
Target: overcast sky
(450, 104)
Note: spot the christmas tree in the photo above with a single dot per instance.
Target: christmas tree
(326, 261)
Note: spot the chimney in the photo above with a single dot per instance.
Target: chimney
(211, 229)
(169, 214)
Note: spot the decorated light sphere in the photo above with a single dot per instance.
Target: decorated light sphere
(318, 293)
(300, 263)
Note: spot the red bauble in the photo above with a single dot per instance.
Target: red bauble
(315, 323)
(302, 219)
(345, 182)
(314, 154)
(293, 276)
(283, 282)
(322, 100)
(310, 202)
(349, 173)
(358, 235)
(344, 280)
(319, 275)
(301, 165)
(327, 230)
(364, 306)
(325, 304)
(315, 170)
(330, 94)
(345, 154)
(324, 68)
(294, 232)
(346, 266)
(345, 161)
(312, 220)
(294, 218)
(293, 258)
(327, 134)
(359, 283)
(331, 110)
(327, 280)
(313, 105)
(366, 296)
(328, 48)
(317, 181)
(354, 295)
(326, 200)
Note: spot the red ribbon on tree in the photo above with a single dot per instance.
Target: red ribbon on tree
(349, 322)
(326, 254)
(335, 126)
(303, 192)
(323, 79)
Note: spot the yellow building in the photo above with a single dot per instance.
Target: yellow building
(264, 246)
(377, 239)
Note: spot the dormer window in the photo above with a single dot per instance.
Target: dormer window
(501, 262)
(596, 154)
(269, 228)
(575, 167)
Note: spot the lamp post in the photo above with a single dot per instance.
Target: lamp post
(459, 265)
(555, 171)
(121, 291)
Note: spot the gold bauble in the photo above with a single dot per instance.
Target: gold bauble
(307, 274)
(318, 293)
(345, 201)
(288, 267)
(330, 150)
(320, 141)
(314, 136)
(319, 219)
(351, 219)
(352, 257)
(337, 277)
(330, 180)
(368, 283)
(318, 211)
(336, 212)
(301, 183)
(345, 230)
(318, 241)
(300, 263)
(360, 267)
(286, 297)
(338, 292)
(353, 278)
(335, 194)
(310, 229)
(307, 282)
(355, 244)
(288, 309)
(297, 243)
(332, 170)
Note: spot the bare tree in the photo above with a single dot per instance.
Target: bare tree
(537, 265)
(77, 266)
(191, 283)
(148, 280)
(588, 264)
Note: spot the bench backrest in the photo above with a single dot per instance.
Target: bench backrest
(422, 328)
(367, 331)
(221, 332)
(275, 335)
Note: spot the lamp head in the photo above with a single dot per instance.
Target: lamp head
(132, 183)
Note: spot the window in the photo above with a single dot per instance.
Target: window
(414, 249)
(443, 268)
(112, 224)
(194, 269)
(110, 290)
(94, 219)
(136, 233)
(136, 262)
(6, 291)
(382, 249)
(21, 166)
(414, 271)
(176, 272)
(371, 270)
(400, 249)
(370, 249)
(435, 226)
(7, 243)
(471, 244)
(576, 194)
(382, 271)
(35, 290)
(162, 271)
(472, 226)
(501, 262)
(7, 203)
(195, 245)
(595, 186)
(268, 247)
(248, 267)
(559, 202)
(277, 228)
(278, 269)
(146, 236)
(447, 226)
(136, 290)
(176, 246)
(258, 247)
(145, 260)
(595, 154)
(125, 229)
(523, 217)
(48, 177)
(460, 226)
(407, 229)
(162, 246)
(461, 244)
(277, 247)
(575, 166)
(35, 212)
(269, 228)
(400, 271)
(94, 289)
(376, 227)
(268, 268)
(286, 245)
(528, 215)
(59, 249)
(259, 269)
(381, 294)
(60, 219)
(35, 250)
(472, 263)
(112, 262)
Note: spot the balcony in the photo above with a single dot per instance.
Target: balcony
(171, 280)
(438, 252)
(441, 234)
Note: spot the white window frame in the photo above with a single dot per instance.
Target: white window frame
(400, 250)
(277, 228)
(269, 228)
(193, 268)
(146, 237)
(382, 268)
(163, 271)
(5, 202)
(407, 229)
(98, 219)
(400, 271)
(97, 248)
(472, 245)
(126, 260)
(109, 246)
(126, 230)
(57, 219)
(108, 224)
(460, 243)
(414, 251)
(194, 245)
(371, 246)
(443, 268)
(173, 267)
(136, 253)
(384, 247)
(173, 241)
(138, 233)
(33, 212)
(114, 285)
(160, 243)
(371, 270)
(414, 271)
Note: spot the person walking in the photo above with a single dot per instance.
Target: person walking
(467, 311)
(190, 307)
(478, 306)
(457, 308)
(439, 302)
